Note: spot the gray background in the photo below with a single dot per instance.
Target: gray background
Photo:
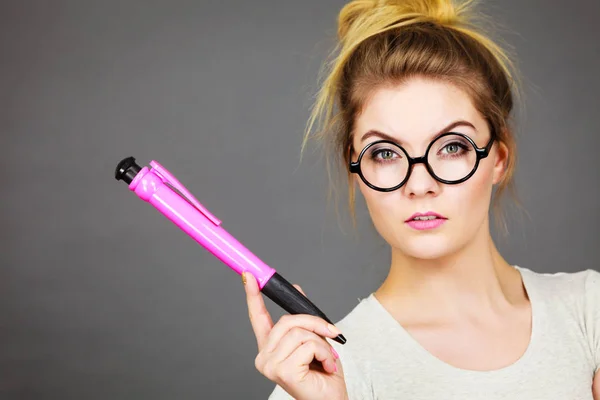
(102, 298)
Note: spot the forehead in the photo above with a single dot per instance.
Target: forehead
(413, 111)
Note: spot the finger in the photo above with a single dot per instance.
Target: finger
(294, 339)
(306, 321)
(309, 351)
(260, 318)
(299, 289)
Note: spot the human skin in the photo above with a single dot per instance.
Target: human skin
(447, 285)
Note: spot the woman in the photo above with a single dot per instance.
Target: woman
(423, 102)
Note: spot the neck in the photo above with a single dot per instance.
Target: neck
(475, 278)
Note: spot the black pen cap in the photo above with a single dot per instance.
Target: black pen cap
(127, 169)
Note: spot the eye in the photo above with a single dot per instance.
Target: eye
(384, 155)
(454, 148)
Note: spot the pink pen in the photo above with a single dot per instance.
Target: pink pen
(160, 188)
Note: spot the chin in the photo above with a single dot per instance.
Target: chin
(427, 247)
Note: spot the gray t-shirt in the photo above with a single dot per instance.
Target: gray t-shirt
(382, 361)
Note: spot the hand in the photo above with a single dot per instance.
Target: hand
(294, 353)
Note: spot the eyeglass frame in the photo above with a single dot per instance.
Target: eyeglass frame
(480, 153)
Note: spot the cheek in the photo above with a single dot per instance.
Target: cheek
(473, 196)
(381, 206)
(387, 212)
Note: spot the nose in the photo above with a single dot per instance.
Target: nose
(420, 182)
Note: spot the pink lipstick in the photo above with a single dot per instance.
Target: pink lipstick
(425, 221)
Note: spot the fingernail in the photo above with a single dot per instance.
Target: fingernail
(333, 329)
(335, 353)
(244, 277)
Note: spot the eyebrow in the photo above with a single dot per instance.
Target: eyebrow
(385, 136)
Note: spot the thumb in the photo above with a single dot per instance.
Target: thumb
(299, 289)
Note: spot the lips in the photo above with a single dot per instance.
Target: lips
(428, 216)
(426, 221)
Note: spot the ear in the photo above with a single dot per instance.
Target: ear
(500, 161)
(353, 178)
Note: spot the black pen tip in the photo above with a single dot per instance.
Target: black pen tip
(340, 339)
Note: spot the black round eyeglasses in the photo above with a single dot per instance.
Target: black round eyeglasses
(451, 158)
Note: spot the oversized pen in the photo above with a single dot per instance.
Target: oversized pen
(160, 188)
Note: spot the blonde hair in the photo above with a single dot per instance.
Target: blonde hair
(383, 42)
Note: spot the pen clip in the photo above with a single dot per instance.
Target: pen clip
(170, 180)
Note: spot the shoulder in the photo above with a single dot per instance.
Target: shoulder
(355, 319)
(564, 287)
(361, 328)
(353, 326)
(571, 303)
(593, 281)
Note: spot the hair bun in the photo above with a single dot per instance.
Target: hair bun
(351, 12)
(359, 14)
